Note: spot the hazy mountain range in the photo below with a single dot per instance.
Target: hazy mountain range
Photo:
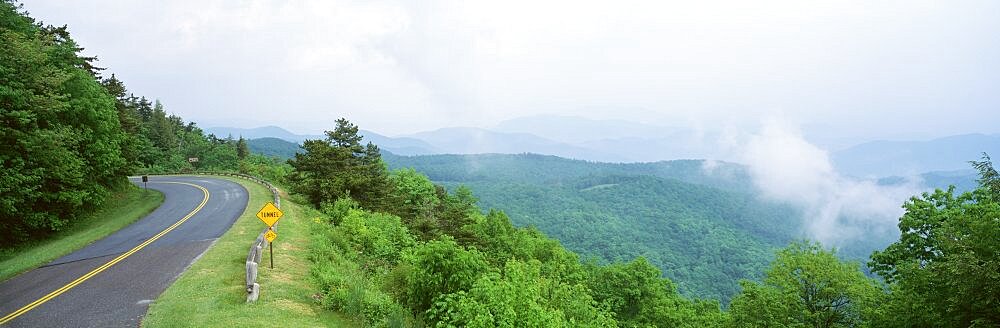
(881, 158)
(624, 141)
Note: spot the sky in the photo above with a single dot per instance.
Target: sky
(862, 69)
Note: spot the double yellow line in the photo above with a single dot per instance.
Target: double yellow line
(101, 268)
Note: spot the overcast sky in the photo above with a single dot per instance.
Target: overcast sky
(878, 69)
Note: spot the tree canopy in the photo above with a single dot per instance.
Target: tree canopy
(807, 286)
(339, 166)
(944, 269)
(63, 142)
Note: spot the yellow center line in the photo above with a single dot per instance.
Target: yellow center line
(121, 257)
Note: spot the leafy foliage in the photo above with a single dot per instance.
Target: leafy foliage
(471, 269)
(944, 269)
(339, 166)
(62, 140)
(703, 238)
(520, 296)
(439, 257)
(808, 286)
(441, 267)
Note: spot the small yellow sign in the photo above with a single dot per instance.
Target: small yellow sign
(269, 214)
(270, 235)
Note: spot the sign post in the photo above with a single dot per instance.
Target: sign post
(270, 215)
(270, 236)
(145, 179)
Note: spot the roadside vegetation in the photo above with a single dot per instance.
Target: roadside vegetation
(211, 293)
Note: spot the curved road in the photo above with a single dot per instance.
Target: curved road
(82, 290)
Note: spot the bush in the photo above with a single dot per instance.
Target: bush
(344, 285)
(377, 238)
(441, 267)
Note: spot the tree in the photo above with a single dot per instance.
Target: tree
(137, 150)
(945, 267)
(61, 134)
(414, 194)
(519, 297)
(241, 148)
(441, 267)
(807, 286)
(989, 179)
(456, 212)
(627, 289)
(639, 296)
(339, 166)
(378, 237)
(163, 132)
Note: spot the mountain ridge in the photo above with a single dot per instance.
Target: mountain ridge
(871, 159)
(909, 157)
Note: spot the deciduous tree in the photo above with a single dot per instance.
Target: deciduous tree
(807, 286)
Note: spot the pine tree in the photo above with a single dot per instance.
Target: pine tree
(241, 148)
(339, 166)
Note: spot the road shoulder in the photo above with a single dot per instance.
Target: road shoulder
(211, 292)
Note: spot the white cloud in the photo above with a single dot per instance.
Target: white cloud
(837, 209)
(869, 68)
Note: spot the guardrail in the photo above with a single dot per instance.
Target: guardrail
(254, 255)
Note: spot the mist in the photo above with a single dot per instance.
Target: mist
(837, 210)
(855, 68)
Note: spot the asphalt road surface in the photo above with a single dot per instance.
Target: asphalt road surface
(111, 282)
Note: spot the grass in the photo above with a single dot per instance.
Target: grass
(211, 293)
(123, 207)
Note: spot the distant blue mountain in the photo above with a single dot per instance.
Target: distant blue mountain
(618, 140)
(402, 146)
(575, 129)
(907, 158)
(963, 180)
(466, 140)
(624, 141)
(260, 132)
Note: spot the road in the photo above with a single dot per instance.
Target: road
(111, 282)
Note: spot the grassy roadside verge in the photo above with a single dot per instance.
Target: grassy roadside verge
(211, 292)
(123, 207)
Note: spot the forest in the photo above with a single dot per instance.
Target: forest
(395, 249)
(706, 229)
(411, 253)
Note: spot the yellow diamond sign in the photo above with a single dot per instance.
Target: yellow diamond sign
(269, 214)
(270, 235)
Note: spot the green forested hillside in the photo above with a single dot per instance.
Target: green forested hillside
(705, 239)
(396, 250)
(536, 168)
(409, 253)
(274, 147)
